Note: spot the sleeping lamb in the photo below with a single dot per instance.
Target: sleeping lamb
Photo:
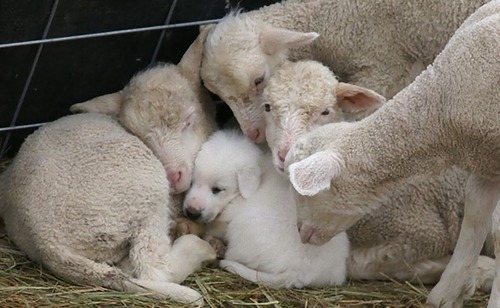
(449, 116)
(85, 193)
(378, 44)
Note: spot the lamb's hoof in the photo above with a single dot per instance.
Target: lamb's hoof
(218, 245)
(485, 274)
(183, 227)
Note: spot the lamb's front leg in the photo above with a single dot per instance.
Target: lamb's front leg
(457, 281)
(494, 301)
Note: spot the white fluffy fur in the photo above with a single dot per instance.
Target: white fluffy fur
(448, 116)
(86, 193)
(256, 204)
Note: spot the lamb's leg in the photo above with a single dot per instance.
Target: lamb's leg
(273, 280)
(387, 261)
(217, 244)
(153, 257)
(494, 301)
(430, 271)
(149, 248)
(186, 226)
(188, 253)
(457, 281)
(80, 270)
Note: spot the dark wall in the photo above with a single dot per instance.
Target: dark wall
(74, 71)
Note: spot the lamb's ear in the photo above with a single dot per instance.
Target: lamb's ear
(314, 173)
(206, 26)
(108, 104)
(355, 98)
(189, 65)
(248, 180)
(273, 40)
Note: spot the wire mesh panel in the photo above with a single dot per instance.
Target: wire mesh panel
(54, 53)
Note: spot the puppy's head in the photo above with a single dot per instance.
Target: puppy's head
(226, 167)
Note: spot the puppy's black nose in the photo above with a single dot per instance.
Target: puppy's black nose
(192, 214)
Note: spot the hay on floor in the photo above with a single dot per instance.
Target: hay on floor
(25, 284)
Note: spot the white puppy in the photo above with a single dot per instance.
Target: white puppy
(238, 192)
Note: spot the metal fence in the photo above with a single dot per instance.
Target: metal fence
(54, 53)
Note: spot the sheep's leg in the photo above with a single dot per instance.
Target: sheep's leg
(387, 261)
(186, 226)
(274, 280)
(218, 245)
(485, 274)
(80, 270)
(149, 250)
(494, 301)
(457, 281)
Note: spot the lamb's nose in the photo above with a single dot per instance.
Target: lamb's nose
(253, 134)
(193, 214)
(282, 154)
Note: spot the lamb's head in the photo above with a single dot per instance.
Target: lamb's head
(226, 167)
(304, 95)
(317, 169)
(167, 108)
(240, 56)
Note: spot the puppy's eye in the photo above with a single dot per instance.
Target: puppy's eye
(267, 107)
(326, 112)
(216, 190)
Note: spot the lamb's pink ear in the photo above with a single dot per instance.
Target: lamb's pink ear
(273, 40)
(355, 98)
(189, 65)
(248, 180)
(314, 173)
(108, 104)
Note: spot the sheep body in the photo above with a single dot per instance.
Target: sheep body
(381, 45)
(416, 224)
(88, 196)
(255, 203)
(448, 116)
(79, 192)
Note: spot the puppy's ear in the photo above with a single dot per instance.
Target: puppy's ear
(249, 180)
(314, 173)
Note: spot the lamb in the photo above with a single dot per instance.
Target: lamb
(449, 116)
(242, 198)
(303, 95)
(85, 195)
(380, 45)
(175, 108)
